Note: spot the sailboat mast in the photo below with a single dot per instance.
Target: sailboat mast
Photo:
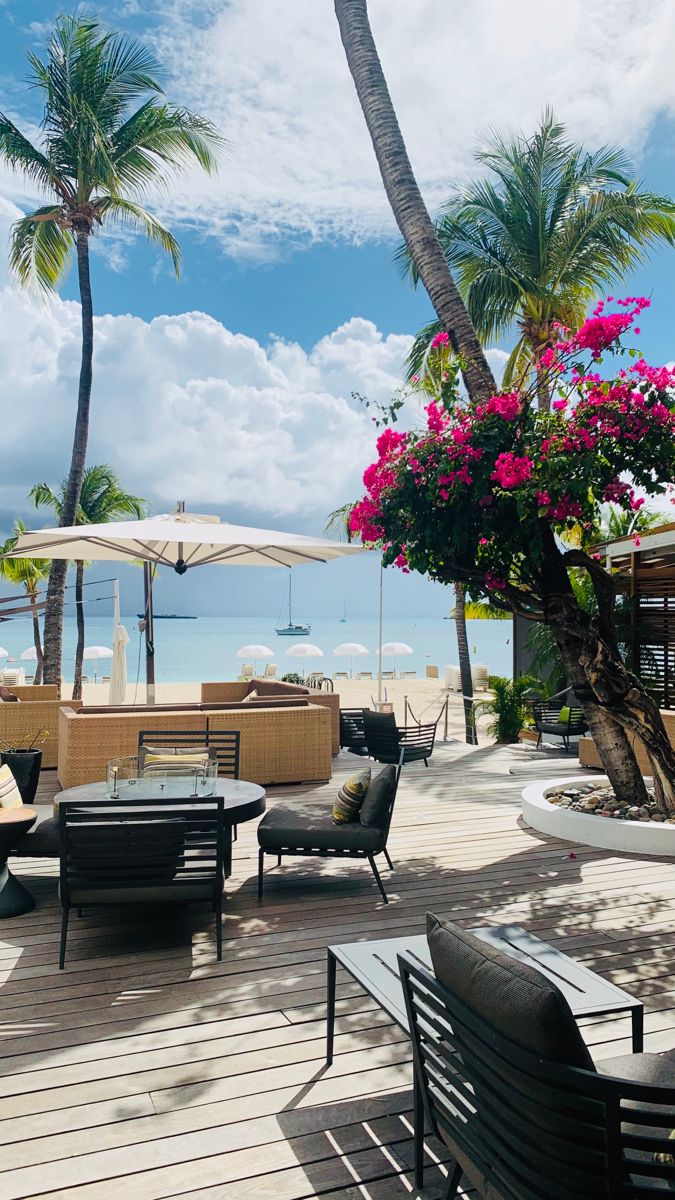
(290, 585)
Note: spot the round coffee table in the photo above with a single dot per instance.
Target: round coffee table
(243, 801)
(15, 899)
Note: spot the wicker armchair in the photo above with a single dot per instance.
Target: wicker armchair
(510, 1088)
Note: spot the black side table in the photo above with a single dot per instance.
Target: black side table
(15, 899)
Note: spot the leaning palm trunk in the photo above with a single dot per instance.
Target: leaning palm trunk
(79, 649)
(53, 639)
(464, 665)
(405, 197)
(37, 640)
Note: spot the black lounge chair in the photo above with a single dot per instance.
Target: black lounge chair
(306, 828)
(141, 852)
(352, 737)
(510, 1088)
(386, 741)
(547, 719)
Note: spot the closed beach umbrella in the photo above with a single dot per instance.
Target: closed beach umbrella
(118, 673)
(304, 650)
(350, 650)
(392, 649)
(255, 652)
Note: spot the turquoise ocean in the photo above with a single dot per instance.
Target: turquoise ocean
(206, 648)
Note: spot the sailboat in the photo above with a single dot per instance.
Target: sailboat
(343, 618)
(292, 630)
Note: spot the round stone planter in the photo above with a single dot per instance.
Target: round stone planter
(607, 833)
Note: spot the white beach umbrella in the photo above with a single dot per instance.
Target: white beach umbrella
(350, 650)
(118, 673)
(255, 652)
(4, 653)
(29, 655)
(304, 650)
(392, 649)
(182, 541)
(96, 653)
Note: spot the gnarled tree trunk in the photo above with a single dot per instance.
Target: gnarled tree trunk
(53, 637)
(405, 197)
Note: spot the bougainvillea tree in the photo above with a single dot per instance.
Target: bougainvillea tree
(498, 495)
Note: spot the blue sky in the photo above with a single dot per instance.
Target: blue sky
(232, 387)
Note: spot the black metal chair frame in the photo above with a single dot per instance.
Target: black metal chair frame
(527, 1127)
(352, 736)
(225, 742)
(313, 852)
(203, 838)
(385, 746)
(546, 718)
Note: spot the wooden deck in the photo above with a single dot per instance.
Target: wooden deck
(146, 1070)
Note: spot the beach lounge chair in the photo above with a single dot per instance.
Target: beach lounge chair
(364, 675)
(480, 677)
(431, 671)
(509, 1087)
(407, 675)
(315, 679)
(340, 675)
(271, 671)
(147, 851)
(453, 679)
(388, 675)
(247, 671)
(306, 828)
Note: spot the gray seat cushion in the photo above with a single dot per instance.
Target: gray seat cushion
(308, 825)
(658, 1069)
(42, 841)
(377, 801)
(517, 1000)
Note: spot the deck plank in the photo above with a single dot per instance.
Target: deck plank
(149, 1070)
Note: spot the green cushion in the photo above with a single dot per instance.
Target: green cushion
(564, 715)
(349, 799)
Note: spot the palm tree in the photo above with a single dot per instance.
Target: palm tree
(404, 195)
(532, 246)
(28, 573)
(107, 137)
(102, 499)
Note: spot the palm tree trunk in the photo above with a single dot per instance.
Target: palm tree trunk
(404, 195)
(53, 638)
(36, 637)
(465, 666)
(79, 649)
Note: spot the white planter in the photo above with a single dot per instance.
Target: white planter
(607, 833)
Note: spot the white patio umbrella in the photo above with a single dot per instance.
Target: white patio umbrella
(118, 674)
(182, 541)
(392, 649)
(29, 655)
(96, 653)
(255, 652)
(350, 650)
(4, 653)
(304, 650)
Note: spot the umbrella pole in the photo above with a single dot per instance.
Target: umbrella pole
(149, 635)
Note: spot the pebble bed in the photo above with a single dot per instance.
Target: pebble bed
(599, 800)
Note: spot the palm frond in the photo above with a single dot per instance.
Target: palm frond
(25, 158)
(126, 213)
(40, 250)
(337, 523)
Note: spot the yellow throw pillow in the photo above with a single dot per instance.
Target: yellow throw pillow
(10, 796)
(347, 804)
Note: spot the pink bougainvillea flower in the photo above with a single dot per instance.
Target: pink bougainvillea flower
(512, 469)
(441, 339)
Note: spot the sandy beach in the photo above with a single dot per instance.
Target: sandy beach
(426, 698)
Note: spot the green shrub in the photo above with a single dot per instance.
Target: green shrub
(507, 706)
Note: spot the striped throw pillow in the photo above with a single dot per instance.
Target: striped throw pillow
(349, 799)
(174, 764)
(10, 796)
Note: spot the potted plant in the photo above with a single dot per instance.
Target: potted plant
(507, 705)
(25, 761)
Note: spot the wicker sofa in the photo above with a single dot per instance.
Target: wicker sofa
(232, 693)
(38, 708)
(282, 741)
(589, 757)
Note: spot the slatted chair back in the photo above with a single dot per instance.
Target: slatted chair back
(351, 730)
(224, 743)
(385, 739)
(522, 1127)
(126, 851)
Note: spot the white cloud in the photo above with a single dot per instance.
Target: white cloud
(183, 407)
(301, 167)
(274, 79)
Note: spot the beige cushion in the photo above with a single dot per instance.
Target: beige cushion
(174, 762)
(10, 796)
